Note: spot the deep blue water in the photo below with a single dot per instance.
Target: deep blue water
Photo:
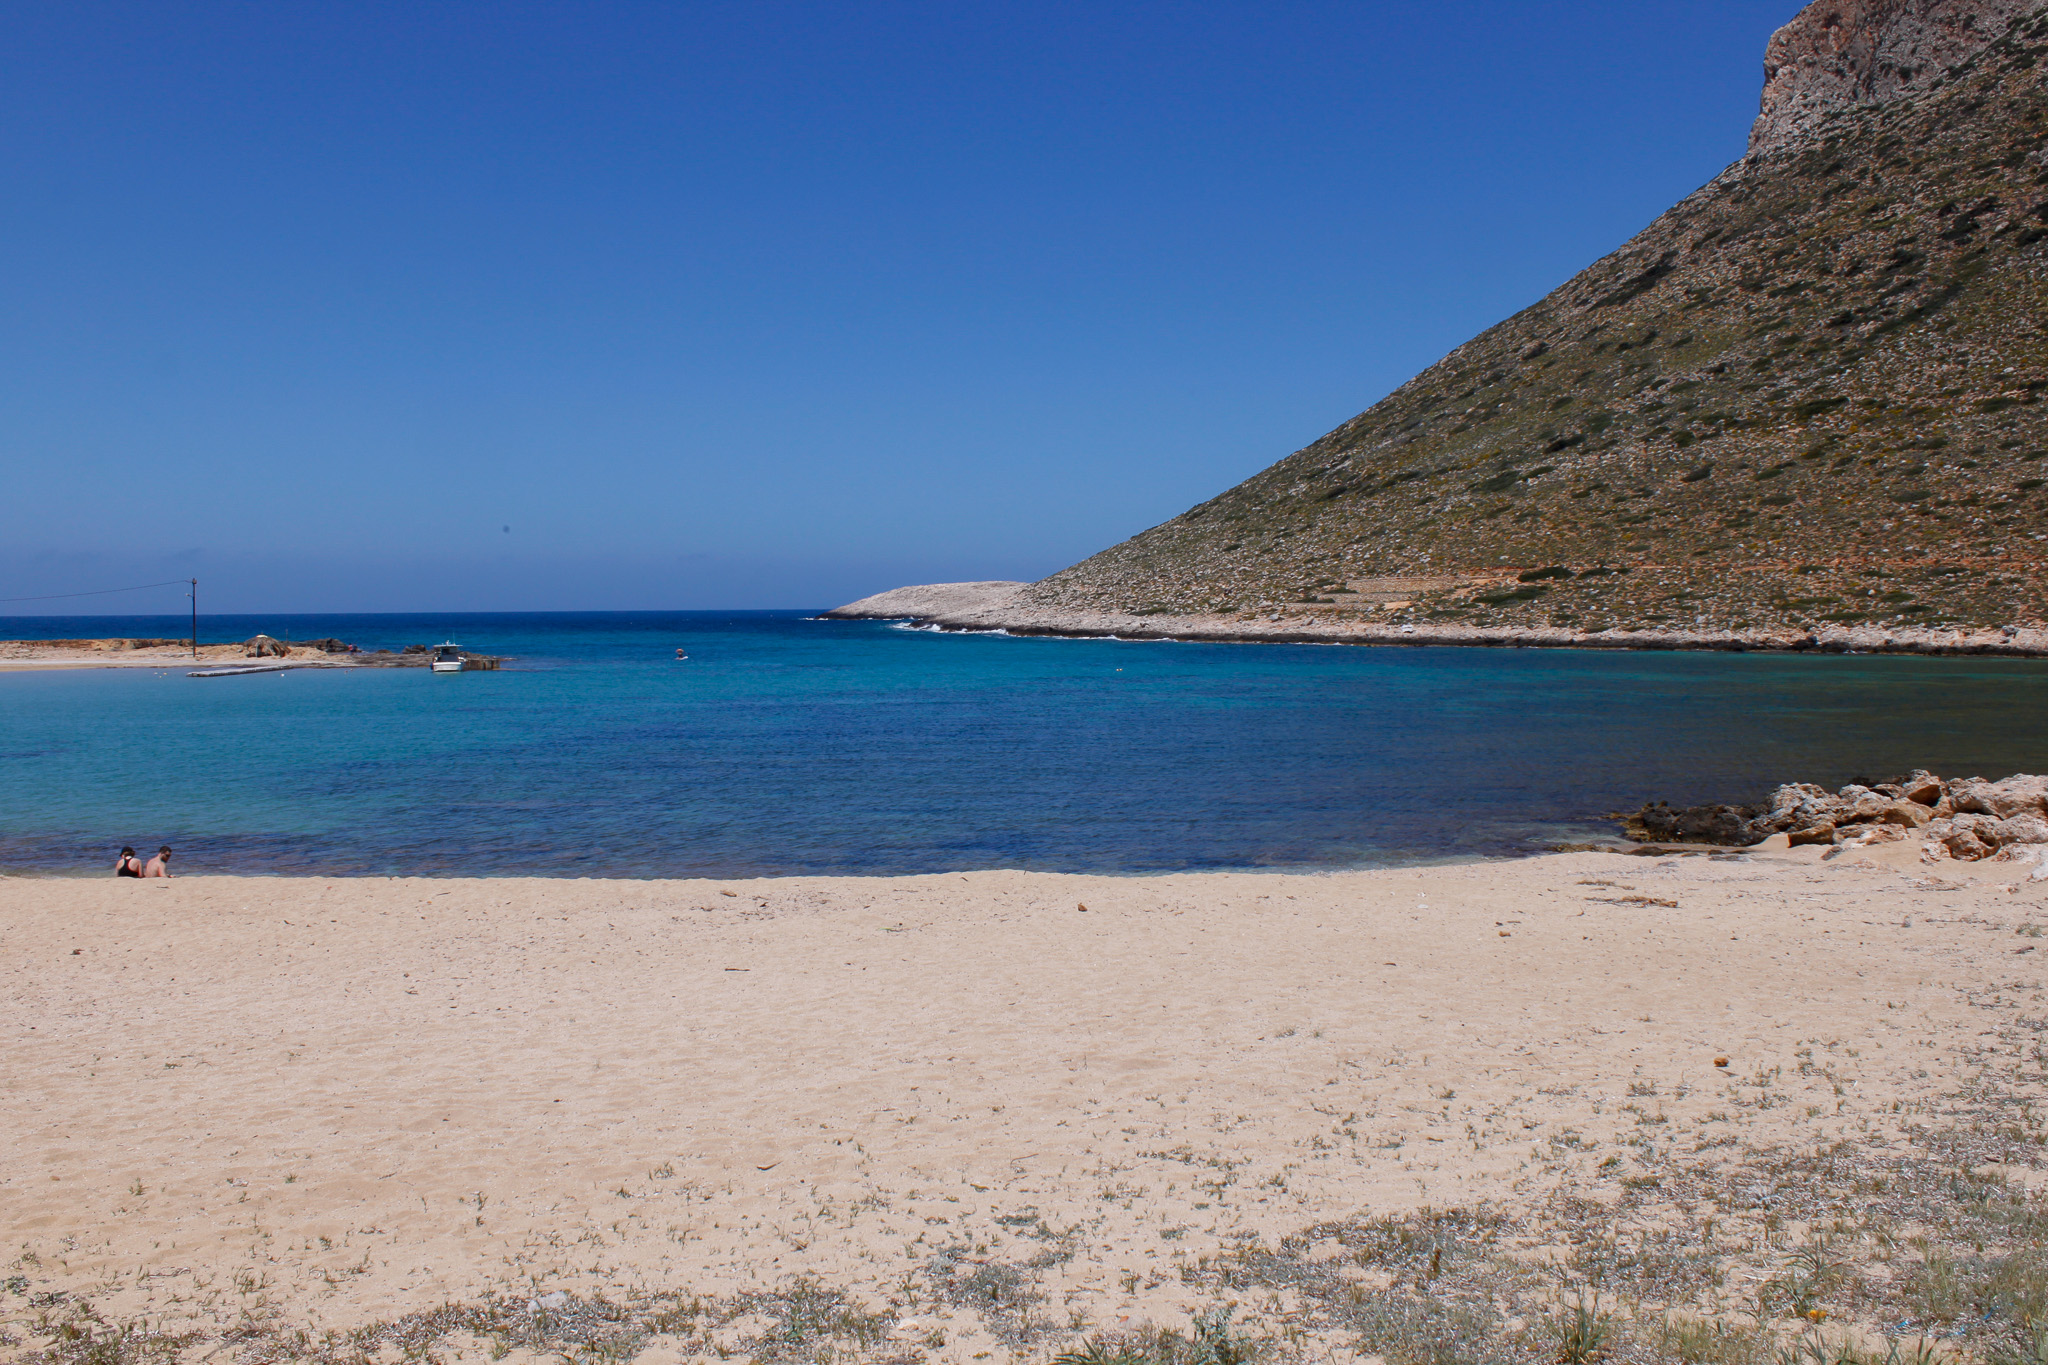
(787, 745)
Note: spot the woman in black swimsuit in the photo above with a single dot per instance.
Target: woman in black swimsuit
(129, 866)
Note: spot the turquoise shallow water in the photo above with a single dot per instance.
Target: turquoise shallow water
(787, 745)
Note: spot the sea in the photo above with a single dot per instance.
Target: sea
(788, 746)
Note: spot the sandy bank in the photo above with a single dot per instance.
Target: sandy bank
(54, 655)
(333, 1102)
(23, 655)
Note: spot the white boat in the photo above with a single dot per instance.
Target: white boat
(448, 657)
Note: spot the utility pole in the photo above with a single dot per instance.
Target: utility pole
(195, 618)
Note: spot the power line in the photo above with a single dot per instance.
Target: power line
(97, 592)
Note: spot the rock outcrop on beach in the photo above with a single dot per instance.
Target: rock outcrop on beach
(1806, 401)
(1966, 817)
(267, 646)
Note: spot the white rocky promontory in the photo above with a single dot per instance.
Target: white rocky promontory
(927, 600)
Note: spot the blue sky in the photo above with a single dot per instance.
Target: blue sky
(614, 306)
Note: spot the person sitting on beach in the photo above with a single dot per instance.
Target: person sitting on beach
(129, 866)
(160, 865)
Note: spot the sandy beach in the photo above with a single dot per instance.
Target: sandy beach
(18, 656)
(969, 1117)
(50, 655)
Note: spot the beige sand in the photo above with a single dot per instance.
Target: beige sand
(38, 655)
(334, 1101)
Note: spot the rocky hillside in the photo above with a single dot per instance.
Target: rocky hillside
(1808, 394)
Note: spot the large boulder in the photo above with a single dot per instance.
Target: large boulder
(1911, 814)
(2015, 795)
(1922, 787)
(1971, 836)
(2027, 828)
(1798, 806)
(264, 647)
(1958, 838)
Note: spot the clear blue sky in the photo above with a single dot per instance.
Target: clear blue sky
(764, 304)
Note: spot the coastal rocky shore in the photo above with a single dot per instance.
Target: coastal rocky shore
(1965, 818)
(1002, 606)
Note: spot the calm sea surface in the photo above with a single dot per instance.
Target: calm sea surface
(793, 746)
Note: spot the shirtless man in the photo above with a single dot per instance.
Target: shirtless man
(160, 865)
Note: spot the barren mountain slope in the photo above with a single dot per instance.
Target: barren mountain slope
(1808, 393)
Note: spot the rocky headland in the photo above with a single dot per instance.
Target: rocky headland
(1800, 410)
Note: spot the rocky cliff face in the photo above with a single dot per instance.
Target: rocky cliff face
(1838, 54)
(1808, 397)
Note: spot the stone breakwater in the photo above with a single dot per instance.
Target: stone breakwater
(1966, 818)
(1001, 607)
